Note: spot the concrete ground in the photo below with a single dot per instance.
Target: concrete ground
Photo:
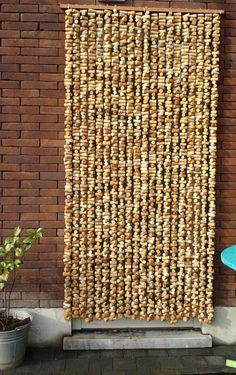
(127, 362)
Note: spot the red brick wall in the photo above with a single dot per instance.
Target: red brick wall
(32, 178)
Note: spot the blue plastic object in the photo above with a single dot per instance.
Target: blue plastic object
(228, 257)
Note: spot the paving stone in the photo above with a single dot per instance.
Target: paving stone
(65, 354)
(137, 372)
(224, 351)
(124, 363)
(90, 354)
(113, 372)
(56, 365)
(135, 353)
(102, 363)
(215, 361)
(200, 351)
(112, 353)
(41, 353)
(228, 370)
(77, 363)
(177, 352)
(194, 361)
(171, 363)
(208, 370)
(29, 366)
(187, 371)
(157, 353)
(83, 372)
(164, 372)
(148, 363)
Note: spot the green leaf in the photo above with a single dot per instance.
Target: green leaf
(19, 252)
(16, 231)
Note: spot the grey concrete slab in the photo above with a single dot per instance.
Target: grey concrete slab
(138, 339)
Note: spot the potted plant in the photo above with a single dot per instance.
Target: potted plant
(14, 325)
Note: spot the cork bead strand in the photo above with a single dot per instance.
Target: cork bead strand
(212, 166)
(144, 163)
(114, 164)
(205, 169)
(122, 163)
(165, 260)
(99, 165)
(91, 166)
(190, 167)
(136, 164)
(152, 169)
(160, 162)
(129, 166)
(197, 164)
(175, 166)
(182, 166)
(75, 166)
(68, 165)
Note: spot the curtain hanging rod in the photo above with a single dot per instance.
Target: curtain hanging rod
(142, 9)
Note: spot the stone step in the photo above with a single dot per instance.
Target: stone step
(136, 339)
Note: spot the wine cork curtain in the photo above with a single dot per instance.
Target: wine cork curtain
(140, 161)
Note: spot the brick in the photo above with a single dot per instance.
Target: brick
(22, 192)
(39, 184)
(19, 43)
(39, 34)
(9, 17)
(50, 143)
(32, 17)
(20, 25)
(52, 60)
(39, 118)
(9, 167)
(9, 51)
(20, 109)
(39, 51)
(19, 208)
(39, 101)
(39, 151)
(39, 167)
(39, 200)
(9, 34)
(17, 8)
(38, 216)
(6, 117)
(20, 142)
(40, 134)
(9, 84)
(39, 68)
(20, 59)
(52, 26)
(9, 150)
(51, 110)
(9, 68)
(21, 159)
(9, 101)
(21, 76)
(20, 175)
(39, 85)
(21, 93)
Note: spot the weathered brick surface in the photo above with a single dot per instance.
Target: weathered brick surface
(32, 177)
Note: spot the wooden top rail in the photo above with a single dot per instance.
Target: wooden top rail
(142, 9)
